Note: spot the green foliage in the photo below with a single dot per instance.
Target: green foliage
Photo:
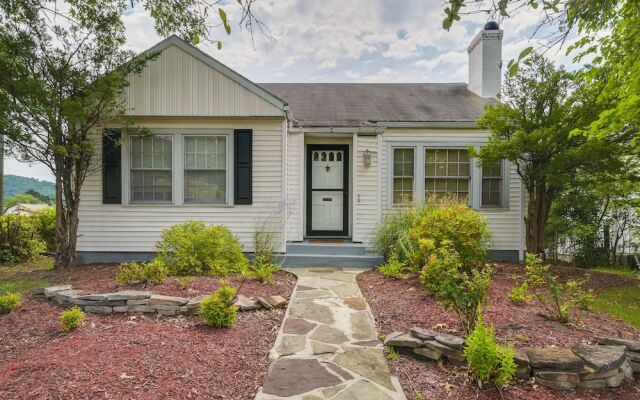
(138, 272)
(218, 310)
(14, 184)
(621, 302)
(20, 199)
(392, 354)
(184, 282)
(455, 285)
(19, 239)
(487, 360)
(392, 237)
(560, 300)
(194, 248)
(519, 295)
(395, 268)
(266, 242)
(71, 319)
(9, 302)
(456, 225)
(45, 222)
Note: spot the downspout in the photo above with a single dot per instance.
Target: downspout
(285, 176)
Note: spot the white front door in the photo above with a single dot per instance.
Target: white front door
(327, 195)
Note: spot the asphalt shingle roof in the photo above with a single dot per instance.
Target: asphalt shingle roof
(361, 104)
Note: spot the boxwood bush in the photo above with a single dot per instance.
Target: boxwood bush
(218, 310)
(9, 302)
(194, 248)
(19, 238)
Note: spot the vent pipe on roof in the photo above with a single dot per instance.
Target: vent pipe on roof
(485, 61)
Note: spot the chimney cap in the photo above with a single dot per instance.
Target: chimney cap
(491, 26)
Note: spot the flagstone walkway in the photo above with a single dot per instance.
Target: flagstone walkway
(327, 347)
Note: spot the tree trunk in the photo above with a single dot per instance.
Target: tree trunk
(536, 219)
(61, 261)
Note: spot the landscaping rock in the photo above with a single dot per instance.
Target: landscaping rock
(138, 302)
(66, 296)
(635, 367)
(428, 353)
(445, 350)
(590, 374)
(405, 340)
(452, 341)
(195, 302)
(134, 308)
(555, 385)
(633, 356)
(158, 299)
(93, 297)
(129, 295)
(523, 373)
(423, 334)
(52, 290)
(246, 304)
(37, 292)
(98, 309)
(521, 358)
(391, 336)
(600, 358)
(615, 380)
(555, 359)
(264, 303)
(277, 301)
(627, 370)
(559, 376)
(593, 384)
(165, 307)
(631, 345)
(106, 303)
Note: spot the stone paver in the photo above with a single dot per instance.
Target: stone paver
(327, 347)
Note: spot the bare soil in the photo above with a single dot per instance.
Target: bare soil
(137, 356)
(400, 304)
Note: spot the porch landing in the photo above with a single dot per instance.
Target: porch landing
(329, 253)
(327, 347)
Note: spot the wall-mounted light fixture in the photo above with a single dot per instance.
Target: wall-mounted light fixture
(366, 157)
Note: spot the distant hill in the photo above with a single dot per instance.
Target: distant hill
(14, 184)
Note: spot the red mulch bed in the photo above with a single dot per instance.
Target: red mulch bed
(399, 305)
(136, 356)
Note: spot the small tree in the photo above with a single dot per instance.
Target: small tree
(532, 127)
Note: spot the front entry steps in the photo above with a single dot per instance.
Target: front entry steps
(329, 254)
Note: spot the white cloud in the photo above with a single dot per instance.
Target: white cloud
(328, 64)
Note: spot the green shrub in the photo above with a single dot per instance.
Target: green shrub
(194, 248)
(137, 272)
(519, 295)
(392, 237)
(454, 286)
(487, 360)
(19, 238)
(184, 282)
(396, 269)
(218, 310)
(560, 300)
(45, 222)
(266, 242)
(9, 302)
(262, 270)
(71, 318)
(466, 230)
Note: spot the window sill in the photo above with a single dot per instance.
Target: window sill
(493, 208)
(173, 205)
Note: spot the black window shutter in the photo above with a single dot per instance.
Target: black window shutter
(111, 165)
(243, 166)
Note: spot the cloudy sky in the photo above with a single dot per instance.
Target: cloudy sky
(343, 41)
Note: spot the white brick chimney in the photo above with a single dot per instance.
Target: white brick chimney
(485, 61)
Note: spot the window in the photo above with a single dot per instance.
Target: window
(151, 160)
(447, 172)
(492, 184)
(205, 169)
(403, 176)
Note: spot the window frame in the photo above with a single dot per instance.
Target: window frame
(447, 177)
(228, 166)
(441, 143)
(504, 195)
(130, 168)
(414, 177)
(178, 167)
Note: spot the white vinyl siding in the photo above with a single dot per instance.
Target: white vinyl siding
(366, 187)
(205, 169)
(295, 187)
(178, 84)
(150, 168)
(137, 227)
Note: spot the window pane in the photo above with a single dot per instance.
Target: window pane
(150, 185)
(403, 173)
(151, 176)
(205, 175)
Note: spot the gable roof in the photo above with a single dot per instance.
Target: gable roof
(367, 104)
(174, 40)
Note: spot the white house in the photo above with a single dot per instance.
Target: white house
(317, 160)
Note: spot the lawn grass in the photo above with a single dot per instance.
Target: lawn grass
(22, 277)
(623, 271)
(622, 302)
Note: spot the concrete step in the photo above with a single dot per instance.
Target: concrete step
(324, 260)
(332, 249)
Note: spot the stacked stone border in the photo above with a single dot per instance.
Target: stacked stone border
(604, 364)
(138, 301)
